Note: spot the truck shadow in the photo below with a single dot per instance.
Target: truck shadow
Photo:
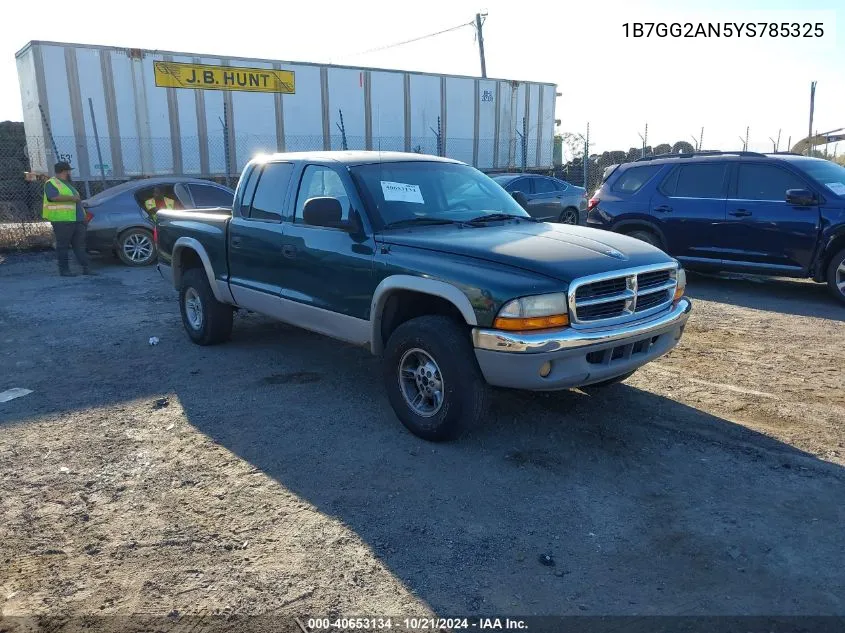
(644, 505)
(642, 502)
(800, 297)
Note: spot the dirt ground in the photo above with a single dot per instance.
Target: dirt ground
(269, 475)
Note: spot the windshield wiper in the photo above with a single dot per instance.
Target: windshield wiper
(500, 216)
(419, 222)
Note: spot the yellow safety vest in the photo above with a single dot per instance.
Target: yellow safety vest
(59, 211)
(150, 204)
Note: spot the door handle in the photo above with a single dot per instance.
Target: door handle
(739, 213)
(289, 251)
(663, 208)
(235, 242)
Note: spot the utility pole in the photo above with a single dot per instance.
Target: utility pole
(812, 109)
(701, 140)
(747, 128)
(479, 22)
(694, 142)
(586, 153)
(644, 139)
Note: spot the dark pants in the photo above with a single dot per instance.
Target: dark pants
(70, 234)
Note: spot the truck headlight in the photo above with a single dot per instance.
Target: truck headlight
(681, 278)
(533, 313)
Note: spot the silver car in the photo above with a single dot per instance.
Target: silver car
(120, 224)
(545, 198)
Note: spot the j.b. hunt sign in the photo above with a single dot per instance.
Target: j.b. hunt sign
(209, 77)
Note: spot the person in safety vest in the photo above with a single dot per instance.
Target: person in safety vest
(158, 201)
(63, 209)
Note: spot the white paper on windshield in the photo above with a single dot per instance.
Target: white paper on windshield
(401, 192)
(836, 187)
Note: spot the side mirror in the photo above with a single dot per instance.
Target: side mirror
(323, 212)
(800, 197)
(520, 198)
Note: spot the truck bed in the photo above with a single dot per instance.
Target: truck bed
(208, 227)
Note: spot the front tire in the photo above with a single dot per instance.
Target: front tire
(836, 275)
(135, 247)
(206, 320)
(432, 378)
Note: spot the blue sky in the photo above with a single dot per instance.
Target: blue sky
(618, 84)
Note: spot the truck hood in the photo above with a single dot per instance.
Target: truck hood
(559, 251)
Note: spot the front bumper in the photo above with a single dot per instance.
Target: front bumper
(579, 356)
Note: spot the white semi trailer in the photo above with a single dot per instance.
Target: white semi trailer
(117, 113)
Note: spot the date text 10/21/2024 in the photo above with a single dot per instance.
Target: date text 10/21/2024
(415, 624)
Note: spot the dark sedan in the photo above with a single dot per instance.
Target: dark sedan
(120, 224)
(545, 198)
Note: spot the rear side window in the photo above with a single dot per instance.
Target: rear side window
(523, 185)
(206, 196)
(633, 179)
(697, 180)
(544, 185)
(270, 193)
(765, 182)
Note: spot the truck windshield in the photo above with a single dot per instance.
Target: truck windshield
(418, 192)
(828, 174)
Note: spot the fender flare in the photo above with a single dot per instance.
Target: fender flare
(423, 285)
(189, 243)
(828, 247)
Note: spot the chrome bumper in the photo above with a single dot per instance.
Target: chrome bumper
(573, 356)
(570, 337)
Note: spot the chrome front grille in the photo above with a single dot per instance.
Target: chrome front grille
(623, 295)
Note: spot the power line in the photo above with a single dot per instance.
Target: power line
(416, 39)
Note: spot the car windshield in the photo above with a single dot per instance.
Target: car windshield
(828, 174)
(418, 192)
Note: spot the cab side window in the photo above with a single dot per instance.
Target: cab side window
(321, 182)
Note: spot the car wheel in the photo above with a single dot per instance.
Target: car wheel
(569, 216)
(836, 275)
(611, 381)
(135, 247)
(206, 320)
(646, 236)
(432, 378)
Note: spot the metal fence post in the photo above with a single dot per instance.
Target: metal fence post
(97, 141)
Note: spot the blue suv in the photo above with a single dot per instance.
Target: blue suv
(773, 214)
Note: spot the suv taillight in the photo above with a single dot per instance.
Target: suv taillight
(155, 235)
(592, 203)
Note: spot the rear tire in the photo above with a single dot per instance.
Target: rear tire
(569, 216)
(432, 378)
(644, 235)
(836, 275)
(135, 247)
(206, 320)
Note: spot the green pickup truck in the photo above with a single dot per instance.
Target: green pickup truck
(432, 266)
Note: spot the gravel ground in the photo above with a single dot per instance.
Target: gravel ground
(269, 475)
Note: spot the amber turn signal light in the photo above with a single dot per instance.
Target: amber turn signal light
(531, 323)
